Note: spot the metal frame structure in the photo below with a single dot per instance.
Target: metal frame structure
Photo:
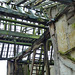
(24, 31)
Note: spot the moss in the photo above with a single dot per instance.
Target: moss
(68, 51)
(40, 19)
(27, 61)
(67, 55)
(62, 53)
(73, 25)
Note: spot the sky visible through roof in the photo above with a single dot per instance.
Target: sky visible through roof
(3, 67)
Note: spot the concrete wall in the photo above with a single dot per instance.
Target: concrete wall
(65, 32)
(52, 71)
(67, 67)
(63, 38)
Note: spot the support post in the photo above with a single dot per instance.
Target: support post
(46, 58)
(9, 68)
(54, 42)
(33, 62)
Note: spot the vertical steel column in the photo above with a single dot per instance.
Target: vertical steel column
(46, 58)
(52, 30)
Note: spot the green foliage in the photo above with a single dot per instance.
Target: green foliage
(40, 19)
(67, 54)
(73, 25)
(69, 57)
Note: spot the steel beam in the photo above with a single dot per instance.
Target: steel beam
(17, 43)
(18, 34)
(35, 45)
(24, 23)
(64, 1)
(7, 51)
(2, 50)
(20, 2)
(25, 16)
(9, 38)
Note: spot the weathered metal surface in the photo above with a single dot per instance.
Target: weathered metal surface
(18, 34)
(18, 2)
(46, 58)
(16, 14)
(23, 23)
(63, 1)
(35, 45)
(18, 43)
(4, 0)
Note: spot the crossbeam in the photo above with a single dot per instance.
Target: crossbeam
(17, 43)
(9, 38)
(25, 16)
(64, 1)
(35, 45)
(20, 2)
(24, 23)
(18, 34)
